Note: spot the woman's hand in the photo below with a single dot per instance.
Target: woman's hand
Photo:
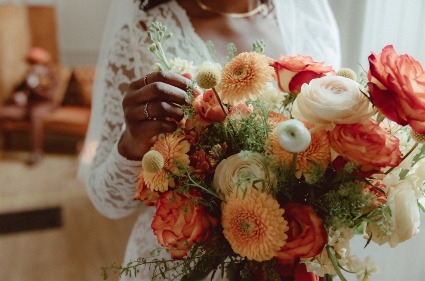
(152, 106)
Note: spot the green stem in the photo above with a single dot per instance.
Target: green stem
(224, 110)
(404, 157)
(334, 261)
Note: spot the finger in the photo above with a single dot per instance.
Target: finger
(148, 129)
(158, 110)
(167, 77)
(164, 92)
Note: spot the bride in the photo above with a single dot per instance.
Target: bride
(131, 103)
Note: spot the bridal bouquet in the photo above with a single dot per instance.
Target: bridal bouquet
(279, 163)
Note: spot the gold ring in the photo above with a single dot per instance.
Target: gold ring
(145, 80)
(145, 110)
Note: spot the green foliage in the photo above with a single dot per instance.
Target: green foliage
(232, 51)
(259, 46)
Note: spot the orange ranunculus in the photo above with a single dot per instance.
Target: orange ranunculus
(397, 87)
(366, 144)
(306, 234)
(208, 108)
(293, 71)
(179, 222)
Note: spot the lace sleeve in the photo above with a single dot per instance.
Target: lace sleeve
(112, 180)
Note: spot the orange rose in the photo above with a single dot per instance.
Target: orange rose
(397, 87)
(208, 108)
(179, 222)
(293, 71)
(366, 144)
(306, 234)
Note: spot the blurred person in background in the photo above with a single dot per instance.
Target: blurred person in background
(33, 99)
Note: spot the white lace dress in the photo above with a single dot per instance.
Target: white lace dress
(110, 178)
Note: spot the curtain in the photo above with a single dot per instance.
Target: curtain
(369, 25)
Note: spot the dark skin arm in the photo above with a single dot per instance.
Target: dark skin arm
(166, 93)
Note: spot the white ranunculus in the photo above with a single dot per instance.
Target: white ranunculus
(293, 135)
(241, 171)
(331, 100)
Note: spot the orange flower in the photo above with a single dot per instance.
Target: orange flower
(245, 77)
(306, 234)
(180, 222)
(275, 117)
(319, 151)
(144, 194)
(174, 148)
(254, 225)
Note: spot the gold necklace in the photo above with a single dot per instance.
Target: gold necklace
(248, 14)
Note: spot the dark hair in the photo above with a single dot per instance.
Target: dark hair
(149, 4)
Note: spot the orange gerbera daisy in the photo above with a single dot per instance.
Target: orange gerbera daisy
(174, 148)
(276, 117)
(244, 77)
(319, 151)
(254, 224)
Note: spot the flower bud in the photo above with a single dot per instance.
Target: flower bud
(209, 75)
(293, 135)
(347, 73)
(153, 47)
(152, 161)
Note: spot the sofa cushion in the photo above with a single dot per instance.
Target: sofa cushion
(69, 120)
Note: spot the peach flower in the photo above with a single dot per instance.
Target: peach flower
(306, 234)
(397, 88)
(366, 144)
(179, 222)
(332, 100)
(245, 77)
(254, 225)
(144, 194)
(242, 171)
(293, 71)
(174, 149)
(319, 151)
(208, 108)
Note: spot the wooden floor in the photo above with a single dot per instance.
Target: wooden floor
(75, 251)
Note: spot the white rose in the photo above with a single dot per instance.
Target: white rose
(405, 216)
(293, 135)
(241, 171)
(331, 100)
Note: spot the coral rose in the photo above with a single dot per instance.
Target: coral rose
(332, 100)
(208, 108)
(306, 234)
(179, 222)
(293, 71)
(366, 144)
(397, 87)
